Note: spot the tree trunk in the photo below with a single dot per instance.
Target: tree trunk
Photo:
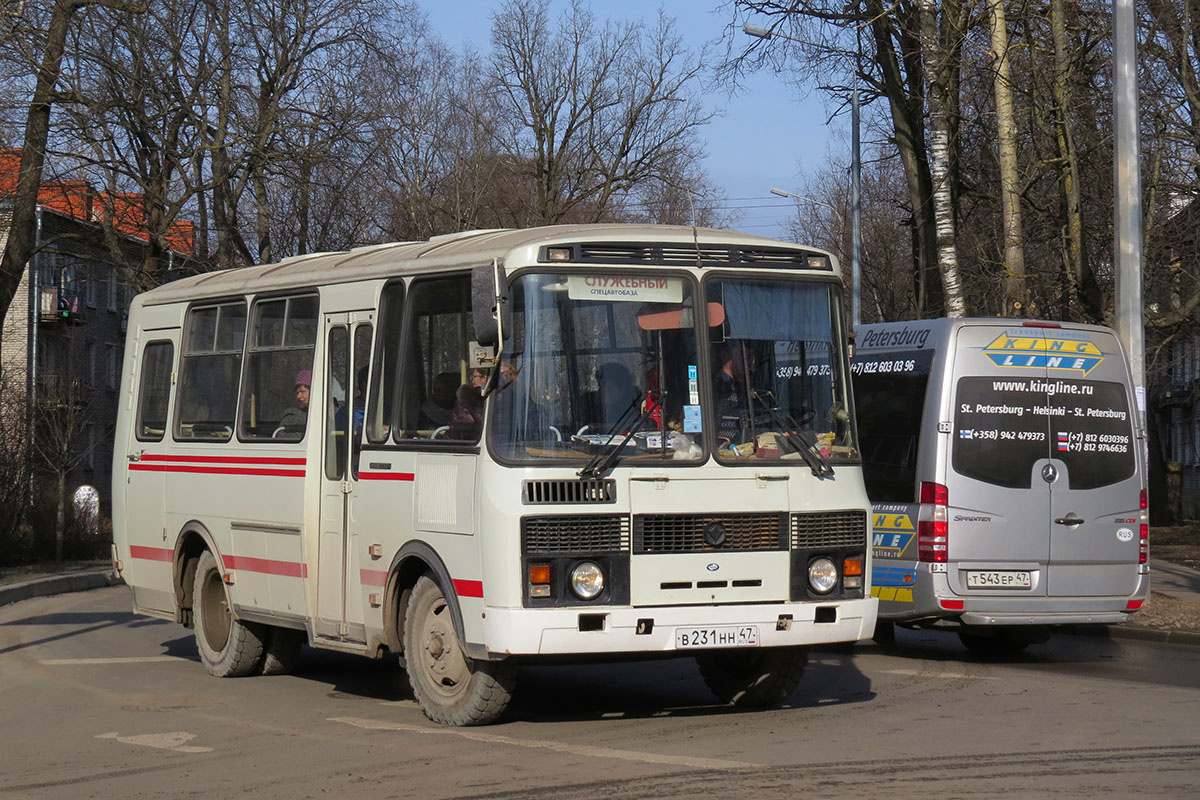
(60, 516)
(1016, 294)
(937, 69)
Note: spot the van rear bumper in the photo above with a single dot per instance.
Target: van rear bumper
(1046, 618)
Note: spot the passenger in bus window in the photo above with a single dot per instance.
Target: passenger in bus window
(438, 406)
(360, 401)
(296, 418)
(617, 392)
(729, 391)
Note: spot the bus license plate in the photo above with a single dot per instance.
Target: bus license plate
(716, 636)
(1014, 579)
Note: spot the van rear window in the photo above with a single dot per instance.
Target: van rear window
(1002, 427)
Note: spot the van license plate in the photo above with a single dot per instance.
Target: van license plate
(716, 636)
(1011, 579)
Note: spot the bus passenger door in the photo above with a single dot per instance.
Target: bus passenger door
(347, 348)
(148, 560)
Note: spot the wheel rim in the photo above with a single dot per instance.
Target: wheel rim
(441, 657)
(215, 619)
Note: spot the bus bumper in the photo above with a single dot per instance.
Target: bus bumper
(580, 631)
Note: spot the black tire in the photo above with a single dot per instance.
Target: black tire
(229, 648)
(451, 687)
(753, 678)
(281, 650)
(998, 645)
(885, 633)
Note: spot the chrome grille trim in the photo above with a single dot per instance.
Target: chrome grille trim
(829, 529)
(684, 533)
(577, 533)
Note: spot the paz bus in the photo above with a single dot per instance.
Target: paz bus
(1003, 459)
(500, 446)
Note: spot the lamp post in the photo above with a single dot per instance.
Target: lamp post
(855, 181)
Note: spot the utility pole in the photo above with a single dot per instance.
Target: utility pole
(1127, 181)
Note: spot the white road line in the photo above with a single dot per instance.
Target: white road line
(175, 740)
(66, 662)
(560, 747)
(942, 675)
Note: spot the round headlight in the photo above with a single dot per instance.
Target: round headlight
(822, 575)
(587, 580)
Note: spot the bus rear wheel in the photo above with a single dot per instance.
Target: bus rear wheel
(753, 678)
(281, 650)
(229, 648)
(451, 687)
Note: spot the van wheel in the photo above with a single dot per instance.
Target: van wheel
(452, 688)
(229, 648)
(885, 633)
(281, 650)
(753, 678)
(998, 645)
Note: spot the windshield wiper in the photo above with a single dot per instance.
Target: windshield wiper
(805, 444)
(603, 460)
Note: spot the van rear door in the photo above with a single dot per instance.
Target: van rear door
(1094, 500)
(999, 512)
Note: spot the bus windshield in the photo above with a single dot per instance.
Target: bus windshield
(597, 362)
(607, 366)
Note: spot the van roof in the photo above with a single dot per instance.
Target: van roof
(517, 246)
(942, 328)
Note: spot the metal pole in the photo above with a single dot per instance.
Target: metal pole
(1128, 206)
(855, 215)
(31, 368)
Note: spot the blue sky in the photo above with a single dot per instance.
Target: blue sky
(768, 135)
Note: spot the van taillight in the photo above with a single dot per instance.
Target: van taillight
(1143, 530)
(932, 527)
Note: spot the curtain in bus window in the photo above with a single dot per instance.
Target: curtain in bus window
(279, 363)
(210, 371)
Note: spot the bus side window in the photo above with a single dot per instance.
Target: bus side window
(154, 393)
(385, 383)
(210, 370)
(435, 359)
(279, 362)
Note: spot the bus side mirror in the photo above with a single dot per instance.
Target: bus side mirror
(486, 297)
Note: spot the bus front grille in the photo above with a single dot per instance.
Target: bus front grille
(563, 534)
(562, 492)
(829, 529)
(703, 533)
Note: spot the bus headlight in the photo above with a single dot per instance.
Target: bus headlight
(587, 580)
(822, 575)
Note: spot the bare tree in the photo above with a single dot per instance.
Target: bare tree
(592, 112)
(20, 245)
(1016, 296)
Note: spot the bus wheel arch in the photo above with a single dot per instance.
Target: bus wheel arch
(190, 544)
(415, 558)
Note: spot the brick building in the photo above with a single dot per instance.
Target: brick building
(63, 338)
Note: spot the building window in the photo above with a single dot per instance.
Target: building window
(110, 353)
(113, 287)
(91, 351)
(90, 282)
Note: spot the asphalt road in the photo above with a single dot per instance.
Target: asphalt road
(95, 702)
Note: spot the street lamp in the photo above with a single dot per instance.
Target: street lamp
(806, 198)
(855, 181)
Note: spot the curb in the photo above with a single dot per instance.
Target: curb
(1144, 634)
(57, 584)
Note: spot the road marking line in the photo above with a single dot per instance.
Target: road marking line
(943, 675)
(175, 740)
(560, 747)
(62, 662)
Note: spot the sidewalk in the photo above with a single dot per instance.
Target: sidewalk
(15, 587)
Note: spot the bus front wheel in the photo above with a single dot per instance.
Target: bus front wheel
(754, 677)
(229, 648)
(451, 687)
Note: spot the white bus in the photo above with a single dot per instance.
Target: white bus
(499, 446)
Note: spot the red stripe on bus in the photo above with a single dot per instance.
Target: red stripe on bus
(372, 577)
(387, 476)
(469, 588)
(288, 569)
(226, 459)
(151, 553)
(276, 473)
